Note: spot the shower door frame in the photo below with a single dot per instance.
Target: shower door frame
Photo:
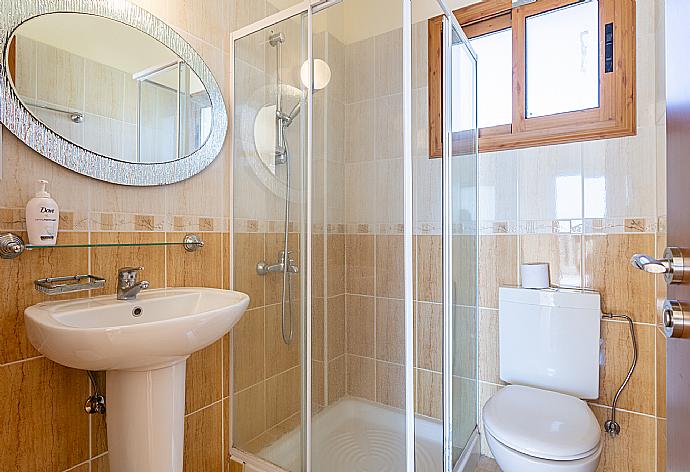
(309, 8)
(452, 27)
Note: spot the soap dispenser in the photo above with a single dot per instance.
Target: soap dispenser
(42, 218)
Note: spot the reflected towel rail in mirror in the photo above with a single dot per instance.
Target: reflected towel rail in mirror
(76, 116)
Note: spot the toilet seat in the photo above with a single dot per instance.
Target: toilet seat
(542, 424)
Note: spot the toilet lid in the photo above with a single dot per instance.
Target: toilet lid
(541, 423)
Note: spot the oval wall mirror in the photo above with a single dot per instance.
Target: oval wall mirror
(108, 90)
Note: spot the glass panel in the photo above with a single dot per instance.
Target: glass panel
(563, 56)
(495, 78)
(461, 321)
(158, 117)
(358, 318)
(269, 156)
(427, 218)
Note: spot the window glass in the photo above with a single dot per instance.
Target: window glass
(562, 60)
(494, 78)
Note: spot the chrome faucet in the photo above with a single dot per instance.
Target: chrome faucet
(127, 286)
(263, 268)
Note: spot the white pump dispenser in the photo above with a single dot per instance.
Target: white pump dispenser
(42, 218)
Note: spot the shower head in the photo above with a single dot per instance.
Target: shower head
(276, 38)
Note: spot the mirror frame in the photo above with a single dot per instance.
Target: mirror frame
(19, 120)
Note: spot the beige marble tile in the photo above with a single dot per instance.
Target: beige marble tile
(390, 384)
(660, 374)
(429, 393)
(623, 288)
(204, 382)
(317, 384)
(202, 268)
(498, 266)
(429, 335)
(17, 290)
(106, 261)
(337, 378)
(639, 394)
(489, 346)
(429, 275)
(203, 440)
(248, 250)
(360, 264)
(283, 396)
(336, 332)
(389, 266)
(563, 253)
(360, 322)
(361, 377)
(39, 434)
(317, 329)
(660, 445)
(252, 422)
(101, 464)
(634, 448)
(390, 330)
(280, 356)
(248, 349)
(336, 264)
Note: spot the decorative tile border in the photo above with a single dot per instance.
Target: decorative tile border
(574, 226)
(14, 219)
(566, 226)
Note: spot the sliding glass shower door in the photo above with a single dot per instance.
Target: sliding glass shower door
(460, 238)
(358, 249)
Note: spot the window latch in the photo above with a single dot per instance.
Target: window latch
(608, 48)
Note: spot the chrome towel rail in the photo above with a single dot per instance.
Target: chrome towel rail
(12, 245)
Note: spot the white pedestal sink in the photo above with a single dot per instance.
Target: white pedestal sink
(143, 345)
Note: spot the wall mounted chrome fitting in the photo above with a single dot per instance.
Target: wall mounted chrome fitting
(263, 268)
(612, 426)
(672, 265)
(96, 401)
(674, 320)
(11, 246)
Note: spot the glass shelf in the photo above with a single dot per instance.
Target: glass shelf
(12, 246)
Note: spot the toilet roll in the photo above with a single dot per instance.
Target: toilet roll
(535, 275)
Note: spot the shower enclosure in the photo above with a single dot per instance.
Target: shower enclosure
(359, 251)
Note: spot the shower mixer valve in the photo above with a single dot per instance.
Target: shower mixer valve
(263, 268)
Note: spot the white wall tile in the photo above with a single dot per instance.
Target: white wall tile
(550, 182)
(498, 186)
(620, 176)
(360, 188)
(389, 191)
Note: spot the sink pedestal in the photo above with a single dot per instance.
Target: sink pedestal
(146, 419)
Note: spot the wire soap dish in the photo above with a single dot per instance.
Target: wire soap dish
(74, 283)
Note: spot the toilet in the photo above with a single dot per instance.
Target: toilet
(549, 356)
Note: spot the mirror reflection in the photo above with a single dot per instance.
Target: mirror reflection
(109, 88)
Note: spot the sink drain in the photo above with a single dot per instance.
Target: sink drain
(137, 311)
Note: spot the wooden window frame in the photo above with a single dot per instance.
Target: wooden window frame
(614, 117)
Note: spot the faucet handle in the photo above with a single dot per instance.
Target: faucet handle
(129, 271)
